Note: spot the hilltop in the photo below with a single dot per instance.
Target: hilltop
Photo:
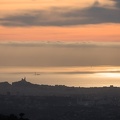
(23, 87)
(43, 102)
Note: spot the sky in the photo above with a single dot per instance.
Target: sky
(59, 54)
(60, 20)
(60, 33)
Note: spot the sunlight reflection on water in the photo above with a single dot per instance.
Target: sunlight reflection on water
(78, 80)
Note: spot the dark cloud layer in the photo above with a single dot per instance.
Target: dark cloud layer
(94, 14)
(117, 3)
(60, 44)
(81, 54)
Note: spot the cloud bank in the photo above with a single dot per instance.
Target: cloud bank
(67, 54)
(95, 14)
(61, 44)
(117, 3)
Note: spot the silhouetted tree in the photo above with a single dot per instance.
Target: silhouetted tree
(13, 117)
(21, 115)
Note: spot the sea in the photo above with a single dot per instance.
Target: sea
(72, 79)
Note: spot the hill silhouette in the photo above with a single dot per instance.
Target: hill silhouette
(22, 83)
(23, 87)
(44, 102)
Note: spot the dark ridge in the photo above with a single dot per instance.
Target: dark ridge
(4, 84)
(21, 83)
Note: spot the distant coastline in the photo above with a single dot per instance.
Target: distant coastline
(23, 87)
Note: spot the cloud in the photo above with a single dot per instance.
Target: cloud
(61, 44)
(95, 14)
(117, 3)
(59, 54)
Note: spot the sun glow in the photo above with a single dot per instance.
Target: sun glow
(109, 75)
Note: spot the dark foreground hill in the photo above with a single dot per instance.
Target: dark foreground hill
(26, 88)
(43, 102)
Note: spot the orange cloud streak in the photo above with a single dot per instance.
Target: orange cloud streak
(110, 32)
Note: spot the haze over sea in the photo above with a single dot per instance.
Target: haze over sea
(84, 64)
(68, 76)
(73, 43)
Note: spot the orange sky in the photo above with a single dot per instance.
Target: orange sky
(93, 32)
(84, 33)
